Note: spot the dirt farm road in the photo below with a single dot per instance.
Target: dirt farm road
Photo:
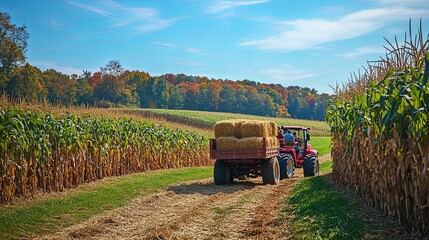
(195, 210)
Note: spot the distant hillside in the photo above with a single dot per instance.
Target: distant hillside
(113, 86)
(206, 120)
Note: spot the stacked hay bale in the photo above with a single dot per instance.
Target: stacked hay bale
(245, 134)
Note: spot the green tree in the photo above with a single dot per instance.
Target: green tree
(227, 99)
(27, 83)
(322, 102)
(61, 88)
(84, 91)
(242, 100)
(176, 98)
(13, 44)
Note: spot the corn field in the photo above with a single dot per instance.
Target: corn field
(380, 133)
(42, 152)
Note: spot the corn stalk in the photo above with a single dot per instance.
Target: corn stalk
(381, 133)
(42, 152)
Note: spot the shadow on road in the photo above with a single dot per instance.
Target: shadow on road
(212, 189)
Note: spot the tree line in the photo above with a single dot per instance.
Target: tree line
(113, 86)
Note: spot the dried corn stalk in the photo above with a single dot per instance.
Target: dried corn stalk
(380, 133)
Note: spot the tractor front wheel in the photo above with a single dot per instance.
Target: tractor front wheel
(311, 166)
(271, 171)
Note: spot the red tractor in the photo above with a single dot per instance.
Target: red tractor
(298, 153)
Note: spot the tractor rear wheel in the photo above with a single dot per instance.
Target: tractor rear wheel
(311, 166)
(222, 173)
(271, 171)
(287, 166)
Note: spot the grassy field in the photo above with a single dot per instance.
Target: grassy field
(208, 119)
(321, 144)
(27, 219)
(317, 209)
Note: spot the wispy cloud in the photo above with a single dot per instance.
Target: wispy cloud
(219, 6)
(91, 8)
(141, 18)
(166, 45)
(56, 24)
(190, 50)
(402, 2)
(286, 73)
(304, 34)
(362, 51)
(195, 50)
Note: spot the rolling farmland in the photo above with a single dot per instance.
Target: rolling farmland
(202, 119)
(123, 200)
(122, 152)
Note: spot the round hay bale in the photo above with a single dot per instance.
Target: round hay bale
(224, 129)
(226, 142)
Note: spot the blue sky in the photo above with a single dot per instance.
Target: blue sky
(309, 43)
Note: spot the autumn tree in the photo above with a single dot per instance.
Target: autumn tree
(60, 87)
(13, 45)
(27, 83)
(112, 68)
(112, 86)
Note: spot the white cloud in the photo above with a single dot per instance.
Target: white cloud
(141, 18)
(362, 51)
(51, 65)
(304, 34)
(219, 6)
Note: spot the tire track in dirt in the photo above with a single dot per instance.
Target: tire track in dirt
(325, 158)
(194, 210)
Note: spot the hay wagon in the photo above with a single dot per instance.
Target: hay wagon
(246, 148)
(252, 162)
